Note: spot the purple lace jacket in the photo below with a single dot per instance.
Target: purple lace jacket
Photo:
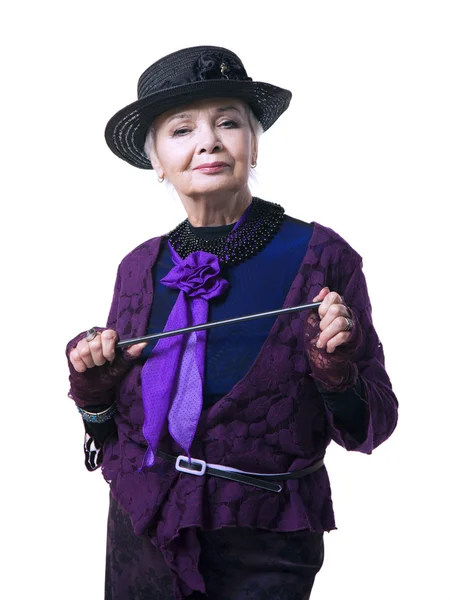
(273, 420)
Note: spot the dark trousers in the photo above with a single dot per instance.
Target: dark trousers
(236, 563)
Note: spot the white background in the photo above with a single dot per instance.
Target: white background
(363, 148)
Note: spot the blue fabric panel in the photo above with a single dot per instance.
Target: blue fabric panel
(232, 349)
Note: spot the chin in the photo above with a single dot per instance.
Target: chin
(216, 187)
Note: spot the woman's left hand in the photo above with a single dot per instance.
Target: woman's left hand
(334, 320)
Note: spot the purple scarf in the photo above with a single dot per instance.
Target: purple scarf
(173, 375)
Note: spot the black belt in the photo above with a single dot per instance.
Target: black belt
(200, 467)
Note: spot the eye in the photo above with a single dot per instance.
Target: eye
(181, 131)
(229, 124)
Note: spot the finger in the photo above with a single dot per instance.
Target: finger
(321, 295)
(330, 298)
(77, 361)
(109, 339)
(335, 327)
(135, 350)
(338, 340)
(85, 353)
(96, 348)
(335, 311)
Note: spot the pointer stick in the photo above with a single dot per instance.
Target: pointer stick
(164, 334)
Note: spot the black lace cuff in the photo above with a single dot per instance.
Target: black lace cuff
(349, 408)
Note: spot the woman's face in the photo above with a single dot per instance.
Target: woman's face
(204, 147)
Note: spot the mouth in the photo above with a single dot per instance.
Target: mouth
(211, 167)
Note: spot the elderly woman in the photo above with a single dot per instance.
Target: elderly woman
(213, 440)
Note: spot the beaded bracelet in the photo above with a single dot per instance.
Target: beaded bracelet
(100, 417)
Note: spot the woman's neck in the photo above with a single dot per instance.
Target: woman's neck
(216, 210)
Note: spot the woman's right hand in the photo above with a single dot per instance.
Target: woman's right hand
(102, 348)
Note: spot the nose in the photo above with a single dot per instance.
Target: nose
(209, 141)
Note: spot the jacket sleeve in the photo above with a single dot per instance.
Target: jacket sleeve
(95, 389)
(367, 361)
(349, 409)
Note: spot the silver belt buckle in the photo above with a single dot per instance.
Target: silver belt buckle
(189, 469)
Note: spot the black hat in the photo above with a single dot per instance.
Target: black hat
(182, 77)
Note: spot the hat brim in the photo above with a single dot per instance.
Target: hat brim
(126, 131)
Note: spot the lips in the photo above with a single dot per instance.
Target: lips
(211, 166)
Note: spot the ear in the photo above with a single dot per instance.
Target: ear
(156, 164)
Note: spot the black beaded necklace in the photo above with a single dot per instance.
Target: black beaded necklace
(260, 226)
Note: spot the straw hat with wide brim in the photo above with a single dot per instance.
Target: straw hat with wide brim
(183, 77)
